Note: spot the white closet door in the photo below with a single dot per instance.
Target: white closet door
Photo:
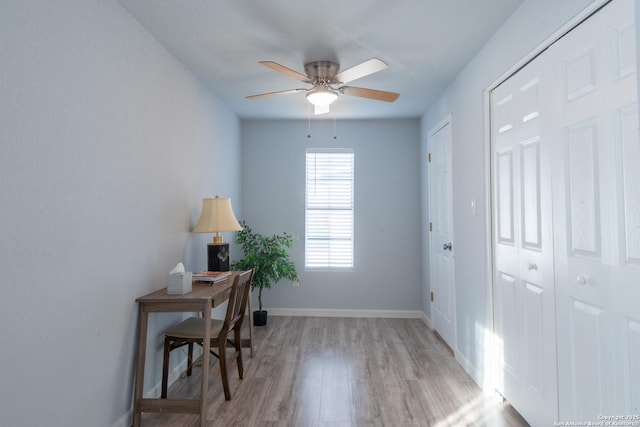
(524, 298)
(597, 216)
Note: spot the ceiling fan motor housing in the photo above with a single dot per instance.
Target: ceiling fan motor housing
(322, 71)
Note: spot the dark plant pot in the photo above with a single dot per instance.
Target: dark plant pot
(259, 318)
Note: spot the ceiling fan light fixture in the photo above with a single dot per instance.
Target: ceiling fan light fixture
(321, 97)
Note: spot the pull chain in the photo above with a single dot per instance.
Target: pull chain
(308, 120)
(335, 136)
(335, 133)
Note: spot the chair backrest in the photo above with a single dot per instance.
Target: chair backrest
(238, 300)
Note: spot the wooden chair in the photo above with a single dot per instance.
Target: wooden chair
(191, 331)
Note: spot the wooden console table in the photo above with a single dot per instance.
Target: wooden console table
(202, 299)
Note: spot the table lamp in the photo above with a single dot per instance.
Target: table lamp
(217, 216)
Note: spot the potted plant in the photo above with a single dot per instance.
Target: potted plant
(269, 258)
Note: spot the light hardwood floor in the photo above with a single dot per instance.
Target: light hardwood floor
(343, 372)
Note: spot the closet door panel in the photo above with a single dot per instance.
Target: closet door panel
(629, 371)
(581, 176)
(534, 337)
(596, 278)
(504, 162)
(629, 180)
(508, 321)
(531, 214)
(589, 367)
(626, 271)
(524, 298)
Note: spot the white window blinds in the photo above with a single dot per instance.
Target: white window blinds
(329, 209)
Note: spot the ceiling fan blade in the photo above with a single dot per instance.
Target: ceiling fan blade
(281, 92)
(287, 71)
(320, 109)
(358, 71)
(378, 95)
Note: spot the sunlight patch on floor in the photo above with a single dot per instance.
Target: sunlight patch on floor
(474, 412)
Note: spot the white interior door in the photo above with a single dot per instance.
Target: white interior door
(524, 295)
(597, 216)
(441, 226)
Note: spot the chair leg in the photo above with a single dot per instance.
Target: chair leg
(165, 367)
(250, 326)
(223, 368)
(238, 346)
(190, 359)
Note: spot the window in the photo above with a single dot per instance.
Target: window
(329, 209)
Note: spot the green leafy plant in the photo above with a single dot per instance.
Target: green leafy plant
(268, 256)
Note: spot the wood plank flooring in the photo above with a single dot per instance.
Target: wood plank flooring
(343, 372)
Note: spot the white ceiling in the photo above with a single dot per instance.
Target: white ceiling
(426, 43)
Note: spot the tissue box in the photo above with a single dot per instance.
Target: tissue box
(179, 283)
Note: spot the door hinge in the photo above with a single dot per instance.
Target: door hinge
(432, 298)
(430, 226)
(429, 157)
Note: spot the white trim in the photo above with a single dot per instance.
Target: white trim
(471, 370)
(487, 352)
(125, 420)
(434, 129)
(426, 320)
(332, 312)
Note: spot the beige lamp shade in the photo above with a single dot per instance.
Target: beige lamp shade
(217, 216)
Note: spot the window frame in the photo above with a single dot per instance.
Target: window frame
(334, 241)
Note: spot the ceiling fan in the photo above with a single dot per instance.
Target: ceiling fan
(327, 82)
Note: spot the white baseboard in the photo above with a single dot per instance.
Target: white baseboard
(124, 421)
(426, 320)
(127, 419)
(330, 312)
(469, 369)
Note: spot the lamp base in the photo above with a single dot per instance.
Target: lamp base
(218, 257)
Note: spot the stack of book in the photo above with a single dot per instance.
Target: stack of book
(210, 276)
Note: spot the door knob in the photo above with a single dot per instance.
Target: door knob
(533, 266)
(447, 246)
(582, 280)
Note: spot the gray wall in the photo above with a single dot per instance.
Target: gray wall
(387, 273)
(528, 27)
(107, 146)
